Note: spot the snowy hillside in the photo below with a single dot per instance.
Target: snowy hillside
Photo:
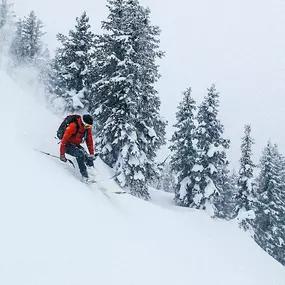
(54, 230)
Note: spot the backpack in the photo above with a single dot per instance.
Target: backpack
(65, 123)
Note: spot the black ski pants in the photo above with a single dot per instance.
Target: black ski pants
(81, 156)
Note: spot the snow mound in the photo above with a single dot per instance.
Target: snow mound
(57, 231)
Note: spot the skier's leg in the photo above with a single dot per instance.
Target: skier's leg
(79, 153)
(88, 160)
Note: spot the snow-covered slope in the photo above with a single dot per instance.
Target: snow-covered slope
(55, 230)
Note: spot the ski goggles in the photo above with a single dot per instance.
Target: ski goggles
(87, 126)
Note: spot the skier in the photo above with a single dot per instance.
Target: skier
(75, 132)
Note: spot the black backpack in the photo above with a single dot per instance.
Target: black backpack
(65, 123)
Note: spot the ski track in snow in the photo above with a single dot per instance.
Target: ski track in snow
(54, 230)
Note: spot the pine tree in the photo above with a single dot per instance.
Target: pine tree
(280, 234)
(269, 225)
(32, 36)
(46, 73)
(27, 46)
(6, 13)
(183, 148)
(166, 180)
(7, 26)
(73, 65)
(211, 151)
(17, 46)
(244, 197)
(227, 185)
(44, 62)
(127, 106)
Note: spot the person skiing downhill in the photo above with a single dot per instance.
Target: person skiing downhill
(76, 132)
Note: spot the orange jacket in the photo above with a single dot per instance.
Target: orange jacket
(70, 135)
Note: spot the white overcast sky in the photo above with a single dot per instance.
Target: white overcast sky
(237, 44)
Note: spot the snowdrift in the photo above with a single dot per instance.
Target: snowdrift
(54, 230)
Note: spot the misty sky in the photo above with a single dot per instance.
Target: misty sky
(237, 44)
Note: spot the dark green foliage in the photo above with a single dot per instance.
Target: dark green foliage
(166, 179)
(183, 148)
(71, 80)
(244, 198)
(127, 105)
(211, 148)
(27, 46)
(225, 202)
(269, 204)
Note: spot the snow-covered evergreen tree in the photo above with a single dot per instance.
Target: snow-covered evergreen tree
(129, 125)
(28, 46)
(244, 197)
(17, 46)
(6, 13)
(277, 253)
(183, 148)
(269, 224)
(7, 27)
(73, 65)
(166, 179)
(32, 36)
(227, 185)
(44, 64)
(211, 151)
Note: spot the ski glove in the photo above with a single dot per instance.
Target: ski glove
(63, 158)
(90, 161)
(92, 157)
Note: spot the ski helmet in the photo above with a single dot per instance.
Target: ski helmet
(87, 119)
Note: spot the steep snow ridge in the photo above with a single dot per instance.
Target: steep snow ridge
(55, 230)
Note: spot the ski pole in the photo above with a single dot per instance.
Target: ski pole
(47, 153)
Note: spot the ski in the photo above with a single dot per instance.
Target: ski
(90, 181)
(113, 192)
(109, 178)
(104, 189)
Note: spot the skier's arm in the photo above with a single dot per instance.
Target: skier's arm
(70, 130)
(89, 142)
